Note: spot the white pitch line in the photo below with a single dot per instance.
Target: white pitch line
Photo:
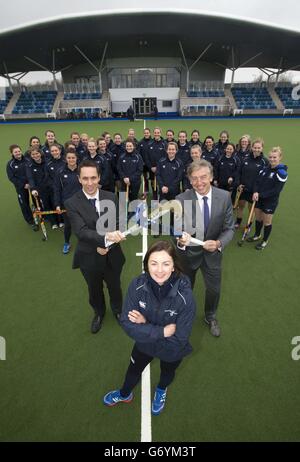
(146, 427)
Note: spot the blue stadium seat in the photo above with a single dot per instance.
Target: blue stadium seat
(72, 96)
(252, 98)
(285, 95)
(35, 102)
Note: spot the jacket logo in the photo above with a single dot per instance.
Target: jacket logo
(65, 176)
(172, 312)
(142, 304)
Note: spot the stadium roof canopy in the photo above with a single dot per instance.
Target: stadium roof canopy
(153, 32)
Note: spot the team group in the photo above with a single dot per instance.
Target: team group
(159, 307)
(49, 171)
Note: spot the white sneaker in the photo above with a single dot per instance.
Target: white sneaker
(54, 227)
(61, 225)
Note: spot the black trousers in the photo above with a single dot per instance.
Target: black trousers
(138, 362)
(212, 281)
(23, 198)
(94, 280)
(46, 200)
(67, 228)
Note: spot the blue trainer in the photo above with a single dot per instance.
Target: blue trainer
(66, 248)
(159, 401)
(114, 397)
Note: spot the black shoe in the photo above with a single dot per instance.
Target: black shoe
(214, 327)
(96, 324)
(35, 227)
(262, 245)
(253, 238)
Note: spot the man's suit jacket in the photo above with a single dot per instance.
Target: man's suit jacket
(83, 217)
(221, 226)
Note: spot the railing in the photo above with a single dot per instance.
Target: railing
(206, 85)
(214, 109)
(84, 87)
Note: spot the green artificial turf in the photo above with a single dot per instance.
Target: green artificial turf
(243, 386)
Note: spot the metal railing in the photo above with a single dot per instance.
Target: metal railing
(82, 87)
(209, 85)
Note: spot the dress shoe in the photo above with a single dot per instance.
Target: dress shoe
(96, 324)
(214, 327)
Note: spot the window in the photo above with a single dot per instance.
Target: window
(167, 103)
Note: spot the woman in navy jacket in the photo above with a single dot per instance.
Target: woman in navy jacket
(267, 189)
(158, 314)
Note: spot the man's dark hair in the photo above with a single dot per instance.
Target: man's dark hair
(88, 163)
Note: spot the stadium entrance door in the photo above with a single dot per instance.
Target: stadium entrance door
(144, 106)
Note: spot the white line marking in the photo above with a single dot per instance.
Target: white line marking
(146, 428)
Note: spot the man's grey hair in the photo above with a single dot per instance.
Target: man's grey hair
(197, 164)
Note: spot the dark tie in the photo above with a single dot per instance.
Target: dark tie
(205, 214)
(93, 203)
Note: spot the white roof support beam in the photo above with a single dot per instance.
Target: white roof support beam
(189, 68)
(99, 69)
(17, 76)
(52, 71)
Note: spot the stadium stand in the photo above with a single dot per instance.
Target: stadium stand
(80, 96)
(252, 98)
(206, 94)
(31, 102)
(285, 95)
(4, 102)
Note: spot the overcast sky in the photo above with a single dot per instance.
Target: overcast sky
(18, 13)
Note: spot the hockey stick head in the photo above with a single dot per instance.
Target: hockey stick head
(141, 219)
(166, 207)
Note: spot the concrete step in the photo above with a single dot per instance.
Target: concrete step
(275, 98)
(12, 103)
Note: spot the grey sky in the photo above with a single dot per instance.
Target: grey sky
(20, 12)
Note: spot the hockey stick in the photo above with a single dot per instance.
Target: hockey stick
(247, 228)
(34, 211)
(49, 212)
(144, 221)
(127, 199)
(41, 220)
(237, 197)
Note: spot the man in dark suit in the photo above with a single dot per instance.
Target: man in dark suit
(207, 215)
(97, 261)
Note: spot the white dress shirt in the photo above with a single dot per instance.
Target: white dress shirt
(97, 203)
(200, 201)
